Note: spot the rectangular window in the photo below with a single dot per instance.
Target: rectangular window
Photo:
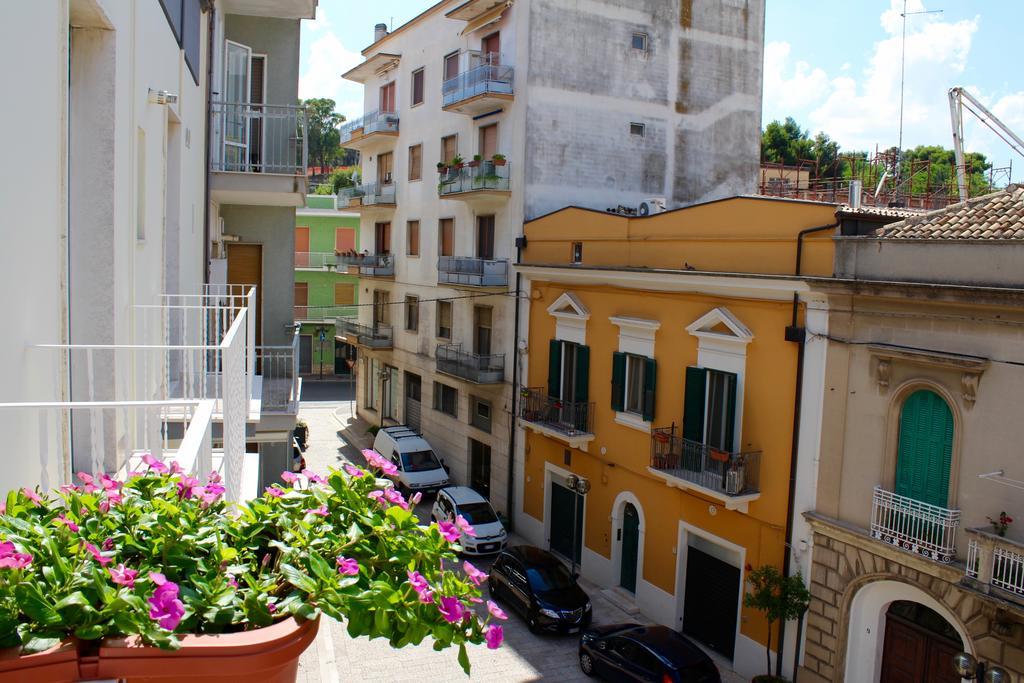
(480, 413)
(417, 87)
(344, 294)
(482, 316)
(412, 238)
(140, 185)
(381, 307)
(385, 168)
(387, 98)
(382, 238)
(301, 300)
(577, 252)
(485, 237)
(344, 240)
(415, 162)
(444, 319)
(640, 41)
(634, 384)
(446, 399)
(490, 48)
(488, 141)
(637, 129)
(449, 148)
(446, 235)
(451, 66)
(412, 313)
(721, 410)
(568, 371)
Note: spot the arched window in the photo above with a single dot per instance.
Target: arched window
(925, 451)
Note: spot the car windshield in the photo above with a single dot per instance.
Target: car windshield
(478, 513)
(549, 577)
(419, 461)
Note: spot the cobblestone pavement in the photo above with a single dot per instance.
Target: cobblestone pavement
(335, 436)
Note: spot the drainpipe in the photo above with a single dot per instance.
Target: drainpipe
(795, 333)
(209, 138)
(511, 490)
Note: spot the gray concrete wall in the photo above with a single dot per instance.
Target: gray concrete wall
(278, 39)
(697, 90)
(274, 228)
(986, 263)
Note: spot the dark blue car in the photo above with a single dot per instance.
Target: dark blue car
(633, 652)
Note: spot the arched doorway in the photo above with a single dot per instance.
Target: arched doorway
(925, 448)
(630, 546)
(919, 645)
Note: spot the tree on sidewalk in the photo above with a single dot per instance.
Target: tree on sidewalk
(780, 598)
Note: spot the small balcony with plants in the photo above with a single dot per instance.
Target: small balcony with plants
(371, 197)
(731, 477)
(571, 422)
(479, 180)
(373, 128)
(995, 562)
(376, 336)
(469, 271)
(472, 367)
(368, 265)
(484, 85)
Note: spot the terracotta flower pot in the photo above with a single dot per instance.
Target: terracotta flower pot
(57, 665)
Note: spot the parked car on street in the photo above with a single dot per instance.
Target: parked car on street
(536, 584)
(419, 469)
(489, 534)
(633, 652)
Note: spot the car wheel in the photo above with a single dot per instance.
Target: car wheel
(587, 663)
(491, 589)
(531, 623)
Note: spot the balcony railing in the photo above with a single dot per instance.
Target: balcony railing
(378, 336)
(481, 369)
(259, 138)
(996, 562)
(377, 265)
(570, 419)
(725, 473)
(373, 122)
(485, 177)
(485, 79)
(321, 313)
(914, 526)
(370, 194)
(279, 368)
(315, 260)
(474, 272)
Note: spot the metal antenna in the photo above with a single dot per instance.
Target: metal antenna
(903, 72)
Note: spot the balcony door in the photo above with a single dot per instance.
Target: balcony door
(485, 237)
(382, 238)
(257, 96)
(301, 247)
(925, 450)
(301, 301)
(490, 48)
(387, 98)
(482, 316)
(237, 89)
(488, 141)
(451, 66)
(385, 168)
(381, 307)
(245, 267)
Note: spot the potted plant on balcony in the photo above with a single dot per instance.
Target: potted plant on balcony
(159, 579)
(456, 163)
(780, 598)
(442, 167)
(476, 161)
(498, 159)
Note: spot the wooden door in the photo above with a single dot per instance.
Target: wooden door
(482, 316)
(919, 646)
(301, 301)
(630, 547)
(387, 98)
(382, 238)
(245, 267)
(485, 237)
(451, 66)
(480, 468)
(447, 236)
(490, 47)
(344, 240)
(385, 167)
(488, 141)
(301, 247)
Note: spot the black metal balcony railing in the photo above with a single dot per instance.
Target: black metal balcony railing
(482, 369)
(369, 194)
(483, 177)
(377, 336)
(477, 272)
(486, 79)
(373, 122)
(566, 417)
(734, 474)
(259, 138)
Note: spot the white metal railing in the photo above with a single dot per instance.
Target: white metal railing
(316, 260)
(279, 368)
(259, 138)
(235, 404)
(996, 561)
(912, 525)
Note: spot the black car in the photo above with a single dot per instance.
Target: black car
(633, 652)
(536, 584)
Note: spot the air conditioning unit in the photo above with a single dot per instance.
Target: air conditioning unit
(651, 205)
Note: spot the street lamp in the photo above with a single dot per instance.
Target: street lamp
(967, 666)
(579, 486)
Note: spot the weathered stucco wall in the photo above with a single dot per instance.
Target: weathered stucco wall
(279, 40)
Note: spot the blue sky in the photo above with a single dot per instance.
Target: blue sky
(833, 65)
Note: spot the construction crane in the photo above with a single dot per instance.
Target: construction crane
(956, 114)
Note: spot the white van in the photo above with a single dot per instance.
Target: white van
(418, 467)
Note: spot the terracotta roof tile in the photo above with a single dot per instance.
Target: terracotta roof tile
(996, 216)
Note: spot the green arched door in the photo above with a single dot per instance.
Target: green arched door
(925, 448)
(630, 535)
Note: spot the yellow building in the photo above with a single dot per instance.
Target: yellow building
(663, 369)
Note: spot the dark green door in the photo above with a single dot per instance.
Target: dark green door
(630, 545)
(925, 449)
(712, 596)
(563, 539)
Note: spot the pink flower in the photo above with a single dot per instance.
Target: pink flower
(87, 479)
(420, 585)
(232, 581)
(314, 477)
(322, 511)
(496, 611)
(289, 477)
(108, 543)
(154, 464)
(61, 519)
(494, 635)
(123, 576)
(188, 487)
(464, 526)
(136, 473)
(3, 508)
(474, 574)
(451, 609)
(209, 493)
(396, 498)
(353, 471)
(95, 552)
(271, 607)
(110, 484)
(68, 488)
(110, 500)
(214, 478)
(376, 495)
(416, 498)
(274, 491)
(375, 459)
(12, 560)
(347, 566)
(165, 607)
(176, 468)
(449, 531)
(32, 495)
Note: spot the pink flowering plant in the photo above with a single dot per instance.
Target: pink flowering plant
(163, 554)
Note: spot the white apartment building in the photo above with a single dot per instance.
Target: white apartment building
(594, 104)
(118, 340)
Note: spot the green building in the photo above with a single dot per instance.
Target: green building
(324, 292)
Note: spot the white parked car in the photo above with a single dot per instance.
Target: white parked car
(418, 467)
(490, 536)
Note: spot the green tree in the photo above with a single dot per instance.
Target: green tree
(780, 598)
(322, 134)
(785, 143)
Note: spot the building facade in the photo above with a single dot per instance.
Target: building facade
(919, 450)
(479, 115)
(324, 290)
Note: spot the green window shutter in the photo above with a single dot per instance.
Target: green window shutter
(693, 404)
(618, 381)
(650, 381)
(555, 369)
(582, 373)
(730, 412)
(925, 448)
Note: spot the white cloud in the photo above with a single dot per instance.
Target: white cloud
(326, 60)
(797, 91)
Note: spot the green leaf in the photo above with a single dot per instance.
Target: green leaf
(319, 566)
(304, 582)
(306, 611)
(464, 658)
(76, 599)
(93, 632)
(35, 605)
(222, 616)
(39, 642)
